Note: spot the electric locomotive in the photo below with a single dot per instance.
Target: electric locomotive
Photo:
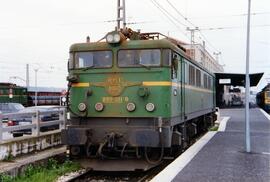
(135, 95)
(263, 98)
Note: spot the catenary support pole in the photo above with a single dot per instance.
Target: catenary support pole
(247, 128)
(36, 70)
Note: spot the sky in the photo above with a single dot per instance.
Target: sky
(39, 32)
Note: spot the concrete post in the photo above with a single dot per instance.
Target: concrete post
(36, 121)
(63, 119)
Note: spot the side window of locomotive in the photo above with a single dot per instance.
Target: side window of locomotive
(205, 81)
(71, 61)
(139, 57)
(198, 78)
(186, 72)
(97, 59)
(191, 75)
(209, 82)
(166, 57)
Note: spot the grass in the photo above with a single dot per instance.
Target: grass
(47, 173)
(214, 128)
(8, 158)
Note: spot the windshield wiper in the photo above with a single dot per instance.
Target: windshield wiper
(147, 67)
(86, 68)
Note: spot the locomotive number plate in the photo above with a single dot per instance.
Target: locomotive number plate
(112, 100)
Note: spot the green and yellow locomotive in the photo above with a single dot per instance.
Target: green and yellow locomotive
(135, 95)
(10, 92)
(263, 98)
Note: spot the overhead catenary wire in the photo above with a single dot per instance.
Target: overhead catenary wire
(186, 19)
(168, 16)
(233, 15)
(233, 27)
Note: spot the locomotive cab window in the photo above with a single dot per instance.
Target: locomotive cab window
(139, 57)
(71, 61)
(166, 57)
(95, 59)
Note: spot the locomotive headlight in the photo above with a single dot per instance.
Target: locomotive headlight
(99, 106)
(150, 107)
(110, 38)
(131, 107)
(82, 107)
(116, 38)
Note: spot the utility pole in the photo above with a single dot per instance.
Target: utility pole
(192, 41)
(36, 70)
(192, 31)
(121, 14)
(247, 83)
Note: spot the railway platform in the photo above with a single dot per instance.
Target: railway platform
(15, 166)
(223, 157)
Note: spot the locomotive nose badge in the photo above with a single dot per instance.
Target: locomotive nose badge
(115, 85)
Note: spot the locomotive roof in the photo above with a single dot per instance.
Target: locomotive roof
(136, 44)
(133, 44)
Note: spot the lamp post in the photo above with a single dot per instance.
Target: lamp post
(36, 70)
(247, 84)
(17, 77)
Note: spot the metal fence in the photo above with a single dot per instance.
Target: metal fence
(36, 122)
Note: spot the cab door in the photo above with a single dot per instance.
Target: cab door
(178, 85)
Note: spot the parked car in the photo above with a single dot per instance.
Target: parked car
(27, 119)
(11, 107)
(6, 108)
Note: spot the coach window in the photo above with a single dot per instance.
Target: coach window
(166, 57)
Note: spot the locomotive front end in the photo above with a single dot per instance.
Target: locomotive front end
(119, 97)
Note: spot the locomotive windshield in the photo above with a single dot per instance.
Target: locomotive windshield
(267, 94)
(94, 59)
(139, 57)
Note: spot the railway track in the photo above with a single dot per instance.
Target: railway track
(100, 176)
(105, 176)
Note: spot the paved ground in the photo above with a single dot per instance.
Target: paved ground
(224, 159)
